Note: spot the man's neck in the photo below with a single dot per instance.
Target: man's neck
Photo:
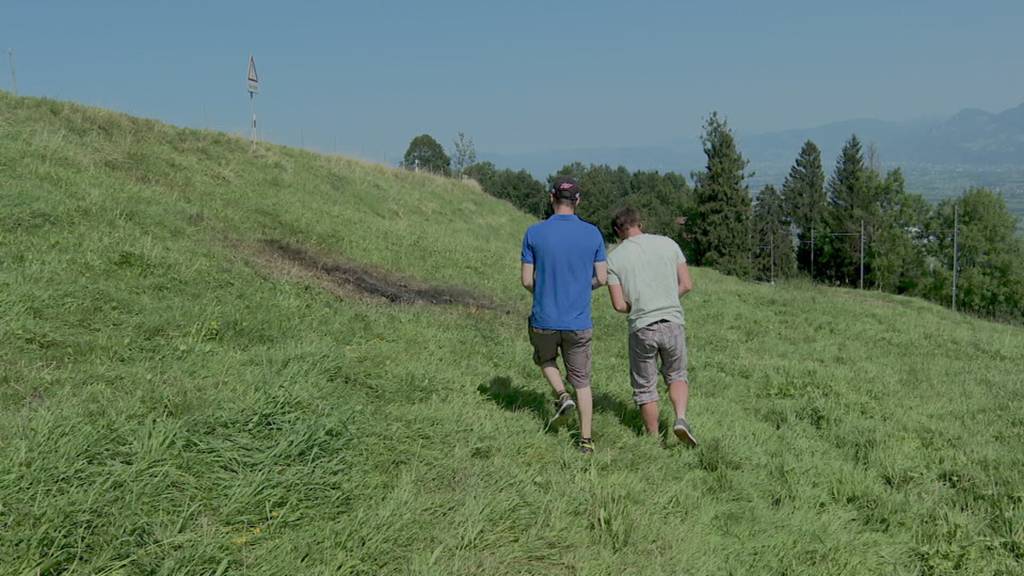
(633, 232)
(564, 211)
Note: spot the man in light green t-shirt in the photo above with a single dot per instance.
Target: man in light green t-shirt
(647, 274)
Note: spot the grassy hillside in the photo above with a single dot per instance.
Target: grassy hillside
(191, 382)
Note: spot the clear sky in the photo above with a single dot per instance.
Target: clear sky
(364, 78)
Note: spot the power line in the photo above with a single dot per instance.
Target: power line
(920, 237)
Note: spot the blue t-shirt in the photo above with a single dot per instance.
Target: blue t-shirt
(563, 250)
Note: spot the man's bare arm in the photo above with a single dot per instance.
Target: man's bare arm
(619, 302)
(600, 275)
(527, 276)
(685, 282)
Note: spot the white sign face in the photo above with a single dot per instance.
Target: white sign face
(254, 80)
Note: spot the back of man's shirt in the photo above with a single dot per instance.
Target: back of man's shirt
(647, 268)
(563, 250)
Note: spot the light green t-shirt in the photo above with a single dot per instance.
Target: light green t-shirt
(645, 266)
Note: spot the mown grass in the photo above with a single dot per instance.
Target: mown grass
(171, 405)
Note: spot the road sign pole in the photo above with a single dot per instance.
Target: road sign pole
(956, 249)
(252, 110)
(812, 253)
(14, 77)
(254, 87)
(861, 254)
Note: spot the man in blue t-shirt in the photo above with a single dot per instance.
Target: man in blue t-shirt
(563, 260)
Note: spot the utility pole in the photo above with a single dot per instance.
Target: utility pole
(861, 254)
(956, 248)
(771, 255)
(812, 253)
(14, 77)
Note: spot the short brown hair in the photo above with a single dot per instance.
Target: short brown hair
(626, 218)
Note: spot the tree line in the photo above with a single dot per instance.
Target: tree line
(856, 227)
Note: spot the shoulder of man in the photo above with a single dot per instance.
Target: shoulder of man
(622, 253)
(612, 251)
(533, 228)
(587, 224)
(671, 244)
(594, 230)
(665, 240)
(584, 229)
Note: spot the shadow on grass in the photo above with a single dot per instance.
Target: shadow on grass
(514, 399)
(626, 412)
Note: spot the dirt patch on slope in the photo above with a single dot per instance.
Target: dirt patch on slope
(346, 278)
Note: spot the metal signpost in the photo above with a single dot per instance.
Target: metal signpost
(861, 255)
(812, 253)
(14, 78)
(254, 87)
(956, 249)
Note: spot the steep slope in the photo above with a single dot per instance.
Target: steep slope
(191, 381)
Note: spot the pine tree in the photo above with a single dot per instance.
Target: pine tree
(806, 204)
(850, 205)
(722, 216)
(773, 241)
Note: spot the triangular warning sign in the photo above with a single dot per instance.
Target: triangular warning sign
(254, 80)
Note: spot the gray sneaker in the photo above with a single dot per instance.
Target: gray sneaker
(682, 430)
(563, 406)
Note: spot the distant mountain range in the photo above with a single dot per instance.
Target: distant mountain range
(939, 156)
(970, 137)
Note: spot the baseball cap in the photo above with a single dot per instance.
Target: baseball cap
(566, 188)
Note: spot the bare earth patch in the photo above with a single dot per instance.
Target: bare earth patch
(347, 278)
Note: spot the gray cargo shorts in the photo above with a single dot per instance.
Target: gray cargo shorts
(666, 340)
(575, 346)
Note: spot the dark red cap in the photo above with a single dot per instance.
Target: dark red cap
(565, 188)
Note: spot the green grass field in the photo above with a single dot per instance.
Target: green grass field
(176, 397)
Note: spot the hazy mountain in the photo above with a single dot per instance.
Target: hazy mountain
(939, 156)
(970, 137)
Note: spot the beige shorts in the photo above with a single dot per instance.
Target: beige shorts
(665, 340)
(575, 347)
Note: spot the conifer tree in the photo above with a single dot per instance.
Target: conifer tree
(773, 242)
(850, 204)
(806, 204)
(721, 229)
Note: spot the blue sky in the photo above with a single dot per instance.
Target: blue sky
(364, 78)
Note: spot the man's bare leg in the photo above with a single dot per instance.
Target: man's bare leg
(584, 397)
(585, 403)
(553, 376)
(649, 411)
(679, 392)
